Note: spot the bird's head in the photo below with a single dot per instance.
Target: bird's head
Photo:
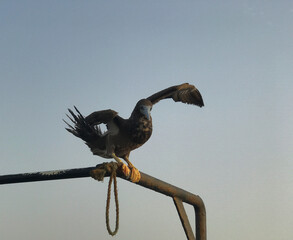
(143, 109)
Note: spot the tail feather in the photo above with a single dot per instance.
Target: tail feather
(81, 128)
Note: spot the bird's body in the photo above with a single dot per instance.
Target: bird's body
(124, 135)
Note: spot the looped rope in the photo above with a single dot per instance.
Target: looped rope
(99, 175)
(112, 176)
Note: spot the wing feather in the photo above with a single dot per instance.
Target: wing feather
(185, 93)
(98, 117)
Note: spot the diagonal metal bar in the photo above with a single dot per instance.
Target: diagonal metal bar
(146, 181)
(184, 219)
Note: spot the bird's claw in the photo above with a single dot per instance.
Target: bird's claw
(125, 170)
(131, 173)
(135, 175)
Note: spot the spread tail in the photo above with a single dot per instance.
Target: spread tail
(81, 128)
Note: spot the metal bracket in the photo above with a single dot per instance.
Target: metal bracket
(184, 219)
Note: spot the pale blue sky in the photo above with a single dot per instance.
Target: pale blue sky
(235, 152)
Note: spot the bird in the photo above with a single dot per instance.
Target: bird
(124, 135)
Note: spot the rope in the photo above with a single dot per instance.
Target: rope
(99, 175)
(112, 176)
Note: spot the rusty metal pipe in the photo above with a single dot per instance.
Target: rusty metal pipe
(145, 181)
(187, 197)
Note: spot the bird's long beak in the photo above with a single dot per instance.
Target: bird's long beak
(147, 112)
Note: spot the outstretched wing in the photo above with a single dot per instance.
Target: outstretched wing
(185, 93)
(103, 116)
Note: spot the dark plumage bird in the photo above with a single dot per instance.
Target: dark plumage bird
(124, 135)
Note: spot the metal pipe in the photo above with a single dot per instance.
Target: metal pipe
(184, 219)
(187, 197)
(146, 181)
(47, 175)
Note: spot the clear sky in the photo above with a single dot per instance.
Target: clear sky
(236, 152)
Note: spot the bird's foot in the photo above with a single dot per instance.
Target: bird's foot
(135, 174)
(125, 170)
(130, 172)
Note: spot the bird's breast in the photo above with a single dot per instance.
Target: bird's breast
(142, 131)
